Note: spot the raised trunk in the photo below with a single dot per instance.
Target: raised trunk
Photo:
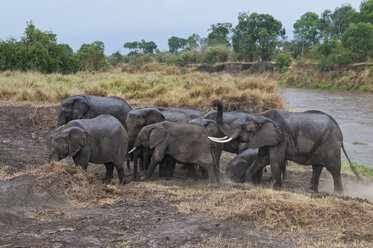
(223, 128)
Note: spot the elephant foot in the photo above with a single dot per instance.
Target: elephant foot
(277, 186)
(313, 188)
(106, 181)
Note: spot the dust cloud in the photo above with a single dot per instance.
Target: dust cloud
(352, 187)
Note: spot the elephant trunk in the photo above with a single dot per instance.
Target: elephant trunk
(61, 120)
(229, 135)
(53, 157)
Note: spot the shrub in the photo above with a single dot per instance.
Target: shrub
(283, 61)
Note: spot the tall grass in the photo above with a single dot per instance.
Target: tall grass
(165, 86)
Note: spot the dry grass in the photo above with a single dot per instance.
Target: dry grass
(162, 86)
(294, 218)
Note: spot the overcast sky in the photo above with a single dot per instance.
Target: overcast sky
(115, 22)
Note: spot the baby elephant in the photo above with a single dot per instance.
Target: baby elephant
(99, 140)
(237, 167)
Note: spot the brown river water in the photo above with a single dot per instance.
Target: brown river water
(352, 110)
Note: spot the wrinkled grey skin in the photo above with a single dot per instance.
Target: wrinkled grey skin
(308, 138)
(87, 107)
(238, 166)
(186, 143)
(101, 140)
(233, 146)
(139, 118)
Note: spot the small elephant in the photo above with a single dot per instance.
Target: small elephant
(186, 143)
(87, 107)
(138, 118)
(236, 169)
(99, 140)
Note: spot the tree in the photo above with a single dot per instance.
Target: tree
(335, 23)
(176, 43)
(306, 30)
(116, 58)
(132, 46)
(92, 57)
(219, 34)
(366, 11)
(147, 47)
(193, 41)
(359, 39)
(256, 35)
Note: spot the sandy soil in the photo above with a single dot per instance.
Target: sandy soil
(62, 206)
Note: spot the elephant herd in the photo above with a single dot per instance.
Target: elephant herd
(106, 130)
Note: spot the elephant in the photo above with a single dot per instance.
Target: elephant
(87, 107)
(208, 120)
(99, 140)
(236, 169)
(309, 138)
(186, 143)
(139, 118)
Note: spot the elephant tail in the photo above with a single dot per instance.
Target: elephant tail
(351, 165)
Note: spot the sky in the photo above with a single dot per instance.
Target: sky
(115, 22)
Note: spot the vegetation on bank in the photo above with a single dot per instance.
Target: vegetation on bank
(345, 78)
(167, 87)
(361, 169)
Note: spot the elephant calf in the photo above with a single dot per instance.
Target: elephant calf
(186, 143)
(99, 140)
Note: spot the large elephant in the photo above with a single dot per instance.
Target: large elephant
(186, 143)
(87, 107)
(99, 140)
(308, 138)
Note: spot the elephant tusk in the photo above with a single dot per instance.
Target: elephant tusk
(132, 150)
(223, 138)
(219, 141)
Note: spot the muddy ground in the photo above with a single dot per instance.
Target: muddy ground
(62, 206)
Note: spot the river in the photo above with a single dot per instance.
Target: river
(352, 110)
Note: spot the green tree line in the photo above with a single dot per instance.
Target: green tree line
(332, 38)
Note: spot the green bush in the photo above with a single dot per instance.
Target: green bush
(217, 54)
(283, 61)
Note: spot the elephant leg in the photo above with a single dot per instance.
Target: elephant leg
(334, 168)
(109, 172)
(203, 172)
(135, 160)
(170, 168)
(82, 158)
(257, 178)
(163, 168)
(316, 172)
(128, 163)
(259, 163)
(191, 171)
(283, 170)
(158, 155)
(213, 174)
(121, 175)
(276, 174)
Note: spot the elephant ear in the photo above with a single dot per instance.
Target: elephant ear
(156, 136)
(153, 116)
(265, 133)
(76, 138)
(80, 107)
